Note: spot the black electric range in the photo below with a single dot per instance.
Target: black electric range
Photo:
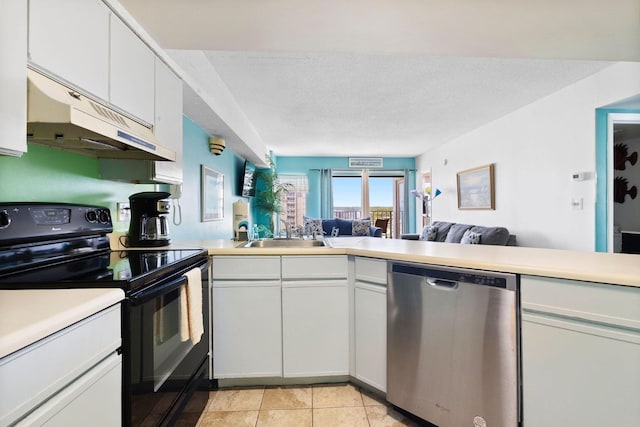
(61, 246)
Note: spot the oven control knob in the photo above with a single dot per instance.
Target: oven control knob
(5, 219)
(103, 216)
(91, 216)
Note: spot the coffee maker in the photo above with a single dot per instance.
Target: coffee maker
(149, 226)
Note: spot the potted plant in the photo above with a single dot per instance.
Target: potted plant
(269, 192)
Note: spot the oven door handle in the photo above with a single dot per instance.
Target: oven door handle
(158, 290)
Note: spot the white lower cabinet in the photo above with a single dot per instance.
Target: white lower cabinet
(46, 384)
(280, 316)
(580, 353)
(247, 313)
(315, 316)
(370, 322)
(315, 329)
(94, 399)
(247, 329)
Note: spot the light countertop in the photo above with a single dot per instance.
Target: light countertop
(620, 269)
(29, 315)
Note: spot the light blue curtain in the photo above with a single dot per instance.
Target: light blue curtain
(406, 220)
(326, 193)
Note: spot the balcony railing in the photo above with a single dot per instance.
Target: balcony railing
(352, 213)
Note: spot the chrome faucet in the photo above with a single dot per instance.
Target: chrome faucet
(287, 227)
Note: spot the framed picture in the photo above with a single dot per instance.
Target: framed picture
(212, 195)
(476, 188)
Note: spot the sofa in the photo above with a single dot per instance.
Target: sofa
(450, 232)
(343, 227)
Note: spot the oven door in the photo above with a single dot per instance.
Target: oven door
(162, 366)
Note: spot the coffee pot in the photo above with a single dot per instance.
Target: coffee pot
(149, 226)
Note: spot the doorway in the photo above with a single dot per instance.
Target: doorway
(621, 128)
(623, 183)
(369, 194)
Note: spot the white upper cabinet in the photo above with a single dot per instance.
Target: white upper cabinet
(91, 48)
(13, 79)
(70, 40)
(168, 122)
(132, 70)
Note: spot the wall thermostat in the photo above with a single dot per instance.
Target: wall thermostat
(578, 176)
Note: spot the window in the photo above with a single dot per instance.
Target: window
(294, 202)
(364, 193)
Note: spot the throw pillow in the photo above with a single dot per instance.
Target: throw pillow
(312, 226)
(429, 233)
(492, 235)
(361, 227)
(456, 232)
(328, 225)
(470, 238)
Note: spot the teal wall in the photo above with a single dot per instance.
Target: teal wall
(49, 175)
(602, 178)
(196, 154)
(305, 165)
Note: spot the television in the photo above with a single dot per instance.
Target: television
(248, 185)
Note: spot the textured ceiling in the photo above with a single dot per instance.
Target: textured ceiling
(389, 78)
(322, 104)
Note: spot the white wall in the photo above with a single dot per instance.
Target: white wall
(535, 150)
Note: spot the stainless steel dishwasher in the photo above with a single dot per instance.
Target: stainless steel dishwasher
(452, 345)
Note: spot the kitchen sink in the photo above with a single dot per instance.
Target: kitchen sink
(283, 243)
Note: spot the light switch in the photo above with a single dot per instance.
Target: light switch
(576, 203)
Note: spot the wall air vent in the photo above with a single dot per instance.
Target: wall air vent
(365, 162)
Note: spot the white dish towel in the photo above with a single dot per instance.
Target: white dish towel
(191, 322)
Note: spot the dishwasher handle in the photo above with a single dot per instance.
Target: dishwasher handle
(445, 285)
(450, 277)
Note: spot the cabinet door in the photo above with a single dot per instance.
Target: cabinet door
(13, 80)
(371, 334)
(579, 374)
(168, 122)
(70, 39)
(94, 399)
(580, 353)
(132, 69)
(315, 328)
(247, 329)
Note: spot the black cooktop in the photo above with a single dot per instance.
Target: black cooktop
(129, 270)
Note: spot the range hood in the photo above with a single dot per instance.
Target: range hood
(60, 117)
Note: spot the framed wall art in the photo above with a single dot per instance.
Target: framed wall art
(212, 195)
(476, 188)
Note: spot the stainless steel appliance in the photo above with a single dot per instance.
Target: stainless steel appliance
(45, 245)
(452, 340)
(149, 226)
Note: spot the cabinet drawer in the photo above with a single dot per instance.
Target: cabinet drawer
(33, 374)
(371, 270)
(246, 267)
(314, 267)
(595, 302)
